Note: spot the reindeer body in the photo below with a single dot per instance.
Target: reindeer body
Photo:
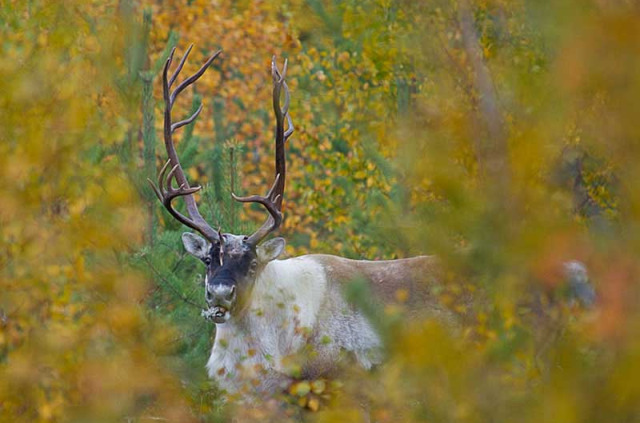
(270, 312)
(297, 311)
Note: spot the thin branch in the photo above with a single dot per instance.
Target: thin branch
(165, 281)
(494, 149)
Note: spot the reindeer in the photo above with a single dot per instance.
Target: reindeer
(270, 313)
(267, 311)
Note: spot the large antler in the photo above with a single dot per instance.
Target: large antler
(164, 189)
(273, 200)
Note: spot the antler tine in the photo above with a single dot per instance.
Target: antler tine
(290, 127)
(165, 83)
(269, 202)
(180, 65)
(251, 198)
(281, 112)
(273, 200)
(285, 109)
(162, 173)
(164, 190)
(186, 121)
(182, 189)
(193, 78)
(166, 193)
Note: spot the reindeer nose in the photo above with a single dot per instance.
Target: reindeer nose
(220, 294)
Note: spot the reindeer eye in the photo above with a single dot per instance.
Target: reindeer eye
(207, 261)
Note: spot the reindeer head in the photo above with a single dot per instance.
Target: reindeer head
(232, 268)
(233, 261)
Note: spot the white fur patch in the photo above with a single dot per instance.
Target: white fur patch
(300, 283)
(281, 314)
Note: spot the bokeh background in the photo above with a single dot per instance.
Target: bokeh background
(500, 135)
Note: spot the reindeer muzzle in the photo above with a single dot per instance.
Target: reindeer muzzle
(220, 299)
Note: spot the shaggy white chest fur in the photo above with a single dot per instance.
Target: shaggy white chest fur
(294, 310)
(282, 312)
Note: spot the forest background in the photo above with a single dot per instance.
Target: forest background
(500, 135)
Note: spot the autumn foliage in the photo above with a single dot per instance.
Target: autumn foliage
(500, 135)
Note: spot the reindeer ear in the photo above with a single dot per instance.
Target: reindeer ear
(270, 250)
(195, 245)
